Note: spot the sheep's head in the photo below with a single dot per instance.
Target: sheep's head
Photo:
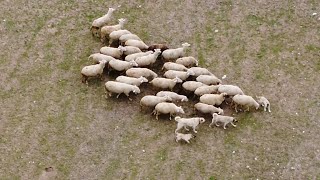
(177, 80)
(220, 111)
(190, 72)
(122, 21)
(136, 90)
(224, 94)
(157, 50)
(184, 99)
(201, 120)
(143, 79)
(122, 49)
(111, 10)
(185, 45)
(168, 98)
(133, 63)
(234, 120)
(197, 62)
(180, 110)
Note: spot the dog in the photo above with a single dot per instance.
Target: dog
(191, 122)
(185, 137)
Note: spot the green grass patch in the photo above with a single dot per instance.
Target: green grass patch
(162, 154)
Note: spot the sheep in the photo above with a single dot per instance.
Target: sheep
(180, 74)
(167, 108)
(119, 88)
(110, 51)
(231, 90)
(213, 99)
(162, 47)
(127, 50)
(200, 71)
(165, 83)
(131, 80)
(121, 65)
(136, 43)
(96, 57)
(206, 90)
(222, 119)
(175, 53)
(174, 66)
(152, 101)
(192, 85)
(264, 103)
(126, 37)
(244, 100)
(101, 21)
(134, 56)
(191, 122)
(174, 96)
(206, 108)
(208, 79)
(185, 137)
(188, 61)
(115, 35)
(148, 59)
(138, 72)
(106, 30)
(92, 70)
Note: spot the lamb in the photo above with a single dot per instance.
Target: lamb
(148, 59)
(174, 66)
(115, 35)
(191, 122)
(126, 37)
(122, 65)
(188, 61)
(208, 79)
(110, 51)
(264, 103)
(185, 137)
(200, 71)
(127, 50)
(133, 57)
(136, 43)
(175, 53)
(162, 47)
(152, 101)
(244, 100)
(101, 21)
(96, 57)
(131, 80)
(180, 74)
(167, 108)
(92, 70)
(213, 99)
(165, 83)
(138, 72)
(205, 108)
(222, 119)
(192, 85)
(106, 30)
(206, 90)
(231, 90)
(119, 88)
(174, 96)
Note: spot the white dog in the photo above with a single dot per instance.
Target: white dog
(191, 122)
(185, 137)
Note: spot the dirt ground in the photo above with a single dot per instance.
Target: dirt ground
(54, 127)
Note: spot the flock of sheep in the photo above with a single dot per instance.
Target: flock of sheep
(134, 57)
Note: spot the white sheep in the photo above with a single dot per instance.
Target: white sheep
(106, 30)
(136, 43)
(222, 119)
(138, 72)
(206, 90)
(165, 83)
(96, 57)
(133, 57)
(174, 66)
(110, 51)
(188, 61)
(167, 108)
(174, 96)
(213, 99)
(192, 85)
(127, 50)
(126, 37)
(152, 101)
(131, 80)
(208, 79)
(264, 103)
(188, 122)
(231, 90)
(101, 21)
(115, 35)
(119, 65)
(148, 59)
(175, 53)
(92, 70)
(244, 100)
(207, 109)
(185, 137)
(200, 71)
(119, 88)
(180, 74)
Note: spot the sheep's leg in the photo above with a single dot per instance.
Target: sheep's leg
(157, 114)
(177, 140)
(233, 124)
(84, 78)
(248, 108)
(224, 125)
(269, 108)
(118, 95)
(194, 129)
(188, 141)
(235, 107)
